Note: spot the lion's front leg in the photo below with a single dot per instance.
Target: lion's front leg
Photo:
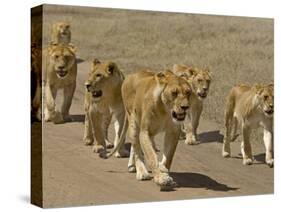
(68, 93)
(268, 142)
(170, 145)
(50, 113)
(191, 127)
(100, 144)
(246, 148)
(105, 125)
(160, 177)
(88, 129)
(118, 126)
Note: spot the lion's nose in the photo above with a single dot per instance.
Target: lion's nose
(184, 107)
(87, 85)
(205, 89)
(61, 67)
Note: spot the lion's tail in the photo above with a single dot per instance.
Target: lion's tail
(121, 140)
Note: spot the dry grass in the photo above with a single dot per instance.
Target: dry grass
(237, 50)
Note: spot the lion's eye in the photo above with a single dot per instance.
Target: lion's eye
(199, 80)
(188, 92)
(174, 93)
(265, 97)
(98, 75)
(56, 56)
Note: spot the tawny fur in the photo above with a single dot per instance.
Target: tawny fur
(154, 103)
(61, 32)
(249, 107)
(200, 80)
(60, 73)
(104, 77)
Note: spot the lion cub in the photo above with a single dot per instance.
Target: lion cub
(200, 81)
(61, 33)
(61, 72)
(102, 101)
(250, 107)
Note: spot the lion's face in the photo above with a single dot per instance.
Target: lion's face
(201, 83)
(200, 79)
(62, 58)
(175, 97)
(266, 99)
(63, 29)
(101, 79)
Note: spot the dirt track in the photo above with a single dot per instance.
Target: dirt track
(237, 50)
(73, 175)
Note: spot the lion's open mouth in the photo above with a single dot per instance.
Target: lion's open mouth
(179, 116)
(61, 73)
(97, 93)
(202, 94)
(269, 112)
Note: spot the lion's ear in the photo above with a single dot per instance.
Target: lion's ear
(258, 88)
(72, 47)
(96, 61)
(111, 67)
(161, 77)
(271, 85)
(179, 70)
(51, 46)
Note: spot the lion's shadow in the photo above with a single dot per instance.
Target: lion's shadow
(77, 118)
(196, 180)
(211, 136)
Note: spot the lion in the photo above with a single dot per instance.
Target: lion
(103, 100)
(36, 82)
(61, 32)
(154, 103)
(200, 80)
(61, 72)
(250, 107)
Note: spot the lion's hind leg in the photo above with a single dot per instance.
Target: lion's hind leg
(229, 113)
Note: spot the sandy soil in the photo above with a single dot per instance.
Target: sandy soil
(235, 49)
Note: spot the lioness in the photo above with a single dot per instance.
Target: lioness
(199, 80)
(250, 107)
(102, 101)
(61, 72)
(36, 81)
(154, 102)
(61, 33)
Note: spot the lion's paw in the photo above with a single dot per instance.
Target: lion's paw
(109, 145)
(164, 181)
(226, 154)
(191, 140)
(98, 148)
(143, 176)
(132, 169)
(270, 163)
(247, 161)
(88, 141)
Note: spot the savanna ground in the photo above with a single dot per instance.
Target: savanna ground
(235, 49)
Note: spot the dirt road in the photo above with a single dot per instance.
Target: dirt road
(73, 175)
